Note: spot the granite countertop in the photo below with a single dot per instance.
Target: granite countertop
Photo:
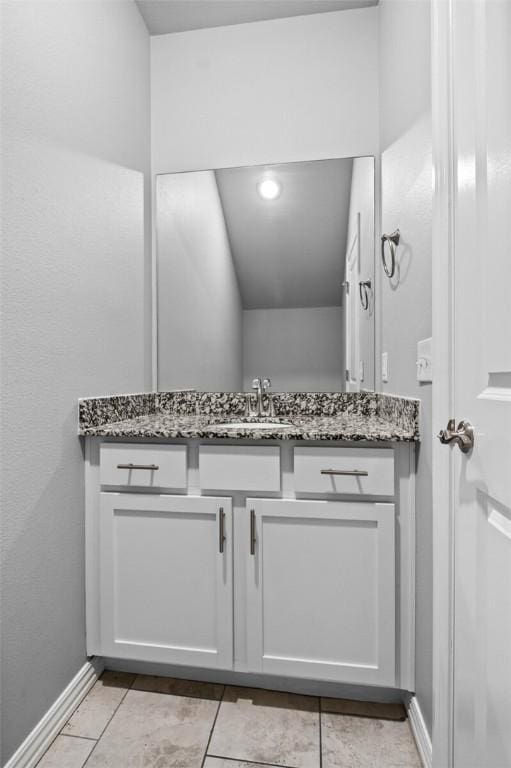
(312, 416)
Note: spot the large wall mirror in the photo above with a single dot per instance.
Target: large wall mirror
(267, 271)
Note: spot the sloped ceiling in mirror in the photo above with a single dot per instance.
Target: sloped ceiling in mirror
(166, 16)
(290, 251)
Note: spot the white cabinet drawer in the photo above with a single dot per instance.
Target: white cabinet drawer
(239, 468)
(143, 466)
(359, 471)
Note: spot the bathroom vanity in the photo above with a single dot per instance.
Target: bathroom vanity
(282, 550)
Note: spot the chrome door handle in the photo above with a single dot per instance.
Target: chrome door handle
(463, 436)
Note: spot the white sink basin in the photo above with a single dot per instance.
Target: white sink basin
(250, 426)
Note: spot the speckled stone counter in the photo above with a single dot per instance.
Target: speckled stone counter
(304, 416)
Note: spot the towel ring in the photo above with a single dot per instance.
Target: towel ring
(364, 289)
(393, 241)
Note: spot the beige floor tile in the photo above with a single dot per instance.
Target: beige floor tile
(178, 687)
(364, 709)
(67, 752)
(93, 714)
(358, 742)
(154, 731)
(267, 727)
(221, 762)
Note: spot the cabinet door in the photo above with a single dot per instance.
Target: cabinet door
(321, 590)
(166, 578)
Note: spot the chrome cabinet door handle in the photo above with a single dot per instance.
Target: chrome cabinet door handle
(351, 472)
(252, 532)
(463, 436)
(138, 466)
(221, 530)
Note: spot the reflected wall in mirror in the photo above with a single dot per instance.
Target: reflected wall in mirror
(267, 271)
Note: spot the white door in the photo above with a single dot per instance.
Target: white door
(166, 579)
(321, 590)
(480, 386)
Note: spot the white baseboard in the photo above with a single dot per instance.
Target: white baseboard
(420, 732)
(39, 739)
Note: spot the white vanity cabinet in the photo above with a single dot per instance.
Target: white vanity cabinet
(270, 558)
(321, 590)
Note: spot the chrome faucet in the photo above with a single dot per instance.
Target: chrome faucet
(261, 387)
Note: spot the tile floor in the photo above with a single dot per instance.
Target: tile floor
(140, 721)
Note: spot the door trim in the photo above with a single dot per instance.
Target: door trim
(420, 732)
(443, 250)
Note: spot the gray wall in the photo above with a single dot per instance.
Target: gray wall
(268, 92)
(199, 304)
(299, 349)
(75, 158)
(406, 184)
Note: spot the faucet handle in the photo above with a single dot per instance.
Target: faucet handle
(256, 383)
(248, 404)
(270, 410)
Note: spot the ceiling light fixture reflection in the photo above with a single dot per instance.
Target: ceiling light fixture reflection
(269, 189)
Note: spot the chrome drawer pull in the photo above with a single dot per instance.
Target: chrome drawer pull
(138, 466)
(353, 472)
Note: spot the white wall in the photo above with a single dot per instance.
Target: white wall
(199, 304)
(299, 349)
(362, 202)
(406, 183)
(274, 91)
(75, 156)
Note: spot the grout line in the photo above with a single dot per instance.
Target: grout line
(213, 727)
(320, 734)
(84, 738)
(244, 760)
(108, 723)
(206, 754)
(70, 735)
